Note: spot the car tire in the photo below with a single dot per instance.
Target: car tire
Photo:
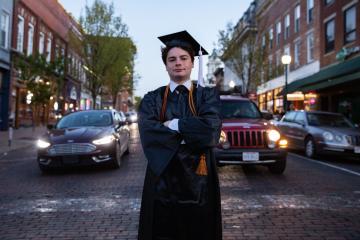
(116, 163)
(278, 167)
(310, 148)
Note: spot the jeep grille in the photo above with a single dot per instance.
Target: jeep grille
(246, 138)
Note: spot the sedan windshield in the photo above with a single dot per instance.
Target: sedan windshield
(239, 109)
(328, 120)
(86, 119)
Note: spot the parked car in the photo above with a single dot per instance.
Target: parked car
(131, 117)
(319, 132)
(84, 138)
(247, 138)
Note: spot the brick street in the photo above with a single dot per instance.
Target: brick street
(309, 201)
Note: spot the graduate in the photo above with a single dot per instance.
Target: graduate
(179, 125)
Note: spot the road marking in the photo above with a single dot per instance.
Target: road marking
(326, 164)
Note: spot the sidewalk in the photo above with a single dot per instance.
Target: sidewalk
(22, 137)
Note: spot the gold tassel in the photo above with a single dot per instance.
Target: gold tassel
(202, 168)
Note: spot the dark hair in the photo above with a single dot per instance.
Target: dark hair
(183, 45)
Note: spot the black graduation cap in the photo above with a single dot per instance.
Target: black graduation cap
(183, 37)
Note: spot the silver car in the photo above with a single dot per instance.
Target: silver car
(319, 132)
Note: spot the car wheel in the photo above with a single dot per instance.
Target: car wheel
(310, 148)
(117, 160)
(278, 167)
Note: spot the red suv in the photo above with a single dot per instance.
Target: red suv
(248, 137)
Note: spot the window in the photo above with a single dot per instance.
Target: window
(48, 49)
(271, 37)
(310, 10)
(278, 33)
(270, 66)
(297, 19)
(263, 41)
(297, 48)
(310, 47)
(350, 25)
(329, 35)
(30, 43)
(328, 2)
(287, 26)
(41, 42)
(20, 34)
(4, 30)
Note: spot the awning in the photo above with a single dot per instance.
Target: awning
(336, 74)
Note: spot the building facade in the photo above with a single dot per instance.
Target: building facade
(6, 12)
(43, 28)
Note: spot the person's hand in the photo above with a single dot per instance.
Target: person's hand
(166, 124)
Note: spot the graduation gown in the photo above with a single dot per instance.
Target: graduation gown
(176, 202)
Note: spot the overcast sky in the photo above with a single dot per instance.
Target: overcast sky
(148, 19)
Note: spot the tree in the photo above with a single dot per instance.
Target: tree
(42, 79)
(120, 75)
(100, 45)
(244, 54)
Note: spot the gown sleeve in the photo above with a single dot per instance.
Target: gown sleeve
(159, 143)
(203, 131)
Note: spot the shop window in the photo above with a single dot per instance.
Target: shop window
(350, 25)
(329, 35)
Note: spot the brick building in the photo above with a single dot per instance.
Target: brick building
(43, 28)
(288, 28)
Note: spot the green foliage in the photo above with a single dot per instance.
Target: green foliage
(137, 102)
(105, 47)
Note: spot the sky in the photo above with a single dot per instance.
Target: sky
(148, 19)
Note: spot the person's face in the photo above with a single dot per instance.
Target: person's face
(178, 64)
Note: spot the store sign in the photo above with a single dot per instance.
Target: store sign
(73, 93)
(345, 52)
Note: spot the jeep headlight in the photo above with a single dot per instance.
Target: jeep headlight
(273, 135)
(222, 137)
(104, 140)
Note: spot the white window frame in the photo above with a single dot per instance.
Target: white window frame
(30, 42)
(5, 26)
(297, 15)
(310, 47)
(48, 49)
(41, 42)
(287, 26)
(309, 10)
(20, 34)
(278, 33)
(297, 47)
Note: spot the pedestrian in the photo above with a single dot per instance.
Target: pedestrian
(179, 124)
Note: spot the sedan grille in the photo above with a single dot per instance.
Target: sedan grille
(247, 138)
(71, 148)
(354, 140)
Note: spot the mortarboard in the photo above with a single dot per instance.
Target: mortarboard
(184, 38)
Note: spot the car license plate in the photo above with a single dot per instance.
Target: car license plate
(356, 149)
(250, 156)
(70, 159)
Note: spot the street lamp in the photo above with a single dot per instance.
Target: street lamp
(285, 59)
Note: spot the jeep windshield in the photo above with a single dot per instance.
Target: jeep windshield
(239, 109)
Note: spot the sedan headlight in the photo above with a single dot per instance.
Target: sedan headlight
(273, 135)
(42, 144)
(328, 136)
(104, 140)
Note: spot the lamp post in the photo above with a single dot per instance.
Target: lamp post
(286, 59)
